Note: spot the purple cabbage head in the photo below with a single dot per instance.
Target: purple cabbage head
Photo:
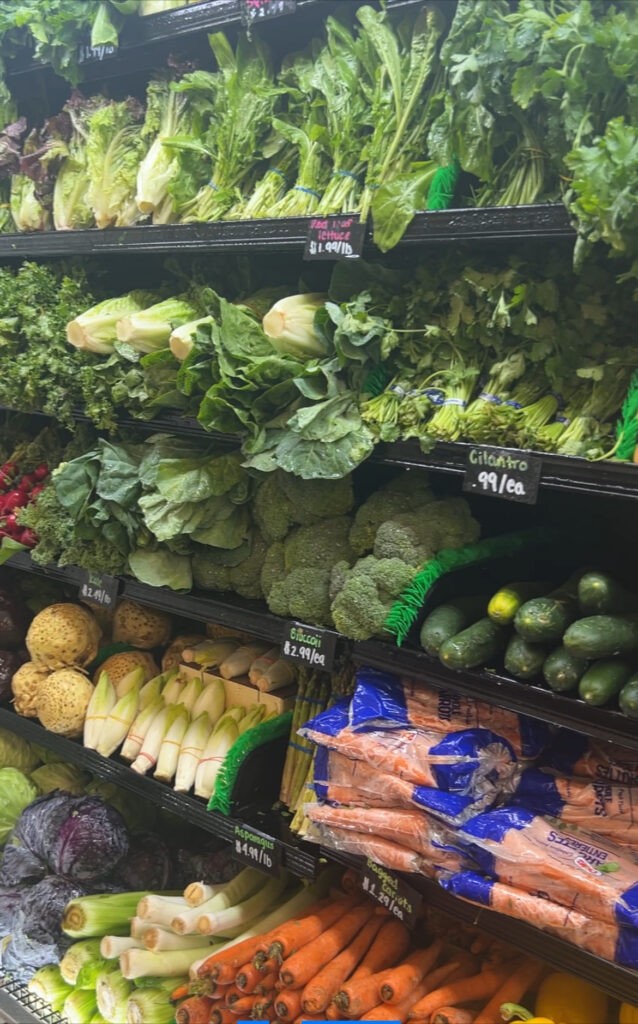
(90, 842)
(147, 864)
(20, 866)
(42, 907)
(39, 825)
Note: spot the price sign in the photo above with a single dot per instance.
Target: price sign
(391, 892)
(259, 10)
(257, 850)
(99, 589)
(334, 238)
(316, 647)
(87, 54)
(500, 473)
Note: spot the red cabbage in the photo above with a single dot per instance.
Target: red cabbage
(39, 824)
(20, 866)
(147, 864)
(9, 902)
(42, 907)
(91, 841)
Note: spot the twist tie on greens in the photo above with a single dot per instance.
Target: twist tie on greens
(309, 191)
(211, 184)
(454, 401)
(435, 395)
(276, 170)
(559, 398)
(495, 400)
(347, 174)
(562, 419)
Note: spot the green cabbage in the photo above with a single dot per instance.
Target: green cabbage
(59, 775)
(17, 793)
(17, 753)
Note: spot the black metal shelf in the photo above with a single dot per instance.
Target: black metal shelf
(300, 859)
(546, 221)
(19, 1006)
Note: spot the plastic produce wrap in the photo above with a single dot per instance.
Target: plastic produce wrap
(620, 945)
(572, 867)
(608, 808)
(383, 701)
(383, 851)
(379, 789)
(474, 762)
(571, 754)
(412, 829)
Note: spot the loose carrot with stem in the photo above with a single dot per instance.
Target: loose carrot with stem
(266, 983)
(324, 986)
(464, 990)
(513, 989)
(231, 995)
(390, 946)
(195, 1010)
(262, 1006)
(288, 1004)
(247, 977)
(221, 1015)
(181, 992)
(237, 955)
(298, 969)
(357, 997)
(397, 1011)
(244, 1006)
(453, 1015)
(333, 1012)
(403, 980)
(295, 934)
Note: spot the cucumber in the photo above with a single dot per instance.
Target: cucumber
(562, 670)
(449, 619)
(505, 602)
(522, 659)
(603, 680)
(476, 645)
(628, 698)
(602, 636)
(600, 594)
(544, 619)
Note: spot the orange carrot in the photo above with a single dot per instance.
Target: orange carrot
(298, 969)
(220, 1015)
(179, 993)
(464, 990)
(297, 933)
(237, 955)
(402, 980)
(266, 983)
(350, 881)
(244, 1005)
(231, 995)
(357, 997)
(195, 1010)
(324, 986)
(389, 947)
(453, 1015)
(247, 977)
(398, 1011)
(288, 1004)
(513, 989)
(333, 1012)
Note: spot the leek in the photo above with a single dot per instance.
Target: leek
(171, 745)
(112, 992)
(212, 701)
(185, 923)
(94, 330)
(147, 757)
(291, 328)
(199, 892)
(141, 725)
(119, 722)
(239, 888)
(193, 744)
(105, 914)
(140, 963)
(47, 984)
(160, 910)
(103, 700)
(243, 913)
(112, 945)
(79, 1007)
(150, 1006)
(138, 928)
(182, 339)
(150, 329)
(158, 940)
(214, 754)
(131, 681)
(76, 956)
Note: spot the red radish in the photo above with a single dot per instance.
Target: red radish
(28, 538)
(14, 499)
(36, 490)
(41, 472)
(11, 522)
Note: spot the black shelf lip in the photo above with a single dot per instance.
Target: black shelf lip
(558, 472)
(548, 220)
(19, 1006)
(522, 698)
(619, 982)
(299, 858)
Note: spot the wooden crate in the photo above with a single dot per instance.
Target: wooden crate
(242, 692)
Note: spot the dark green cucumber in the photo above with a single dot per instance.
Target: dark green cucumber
(543, 620)
(449, 619)
(524, 660)
(562, 670)
(602, 636)
(477, 645)
(505, 603)
(628, 698)
(603, 681)
(600, 594)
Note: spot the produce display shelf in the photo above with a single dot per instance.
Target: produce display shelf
(523, 698)
(619, 982)
(546, 220)
(299, 858)
(19, 1006)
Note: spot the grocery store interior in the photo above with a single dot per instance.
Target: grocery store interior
(318, 478)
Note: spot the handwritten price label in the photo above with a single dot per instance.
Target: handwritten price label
(499, 473)
(315, 647)
(259, 10)
(391, 892)
(257, 850)
(334, 238)
(87, 54)
(99, 589)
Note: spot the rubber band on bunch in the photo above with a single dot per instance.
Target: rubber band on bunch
(497, 400)
(308, 191)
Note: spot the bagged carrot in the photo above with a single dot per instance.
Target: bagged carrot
(465, 990)
(298, 969)
(513, 989)
(325, 985)
(403, 980)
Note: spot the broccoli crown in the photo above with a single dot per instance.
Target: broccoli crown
(363, 595)
(273, 569)
(283, 501)
(415, 537)
(405, 493)
(210, 576)
(303, 594)
(245, 578)
(273, 512)
(323, 543)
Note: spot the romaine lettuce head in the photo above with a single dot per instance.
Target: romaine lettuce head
(17, 792)
(94, 330)
(58, 775)
(17, 753)
(114, 149)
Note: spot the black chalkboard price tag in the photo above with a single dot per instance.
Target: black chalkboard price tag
(90, 54)
(98, 588)
(502, 473)
(391, 892)
(334, 238)
(257, 850)
(258, 10)
(314, 646)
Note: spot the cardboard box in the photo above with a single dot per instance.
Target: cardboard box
(242, 692)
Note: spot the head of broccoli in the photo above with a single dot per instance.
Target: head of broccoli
(364, 594)
(283, 501)
(405, 493)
